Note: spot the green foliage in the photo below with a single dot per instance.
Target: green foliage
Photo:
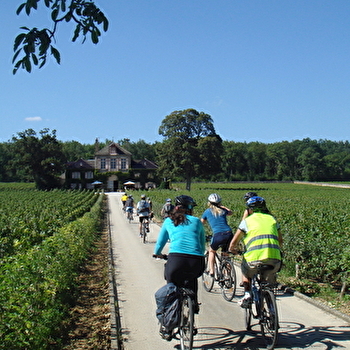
(39, 158)
(35, 44)
(36, 285)
(315, 227)
(191, 146)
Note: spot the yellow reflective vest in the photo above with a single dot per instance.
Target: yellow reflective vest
(261, 239)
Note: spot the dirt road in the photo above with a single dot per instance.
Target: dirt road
(220, 323)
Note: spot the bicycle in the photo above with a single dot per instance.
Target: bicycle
(144, 230)
(186, 328)
(263, 307)
(129, 214)
(224, 274)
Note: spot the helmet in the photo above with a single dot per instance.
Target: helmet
(143, 196)
(256, 203)
(249, 195)
(185, 201)
(168, 200)
(214, 198)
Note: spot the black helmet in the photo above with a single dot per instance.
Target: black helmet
(249, 195)
(256, 203)
(186, 202)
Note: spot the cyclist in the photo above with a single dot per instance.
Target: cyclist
(143, 211)
(216, 216)
(167, 208)
(263, 240)
(124, 198)
(246, 197)
(129, 204)
(187, 245)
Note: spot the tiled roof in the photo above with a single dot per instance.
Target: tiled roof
(143, 164)
(106, 151)
(79, 164)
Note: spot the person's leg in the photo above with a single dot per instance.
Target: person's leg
(211, 261)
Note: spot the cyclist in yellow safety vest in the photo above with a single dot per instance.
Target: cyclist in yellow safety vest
(262, 240)
(124, 199)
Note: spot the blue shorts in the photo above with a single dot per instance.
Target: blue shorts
(222, 239)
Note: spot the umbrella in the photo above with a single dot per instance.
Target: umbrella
(96, 183)
(129, 183)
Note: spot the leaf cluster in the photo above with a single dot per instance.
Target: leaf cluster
(36, 44)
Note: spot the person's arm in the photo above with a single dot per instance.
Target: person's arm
(235, 240)
(229, 211)
(202, 237)
(161, 240)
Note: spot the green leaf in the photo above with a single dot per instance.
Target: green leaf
(20, 8)
(56, 54)
(54, 14)
(94, 37)
(19, 40)
(105, 24)
(35, 59)
(27, 64)
(15, 55)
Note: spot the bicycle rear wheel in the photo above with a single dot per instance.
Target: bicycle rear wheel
(144, 232)
(186, 327)
(269, 319)
(228, 282)
(208, 281)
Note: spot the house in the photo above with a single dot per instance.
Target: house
(112, 165)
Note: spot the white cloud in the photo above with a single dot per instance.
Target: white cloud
(33, 119)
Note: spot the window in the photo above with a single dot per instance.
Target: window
(75, 175)
(113, 163)
(123, 164)
(113, 150)
(89, 175)
(103, 163)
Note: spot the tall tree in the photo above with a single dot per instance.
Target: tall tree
(190, 146)
(35, 44)
(41, 158)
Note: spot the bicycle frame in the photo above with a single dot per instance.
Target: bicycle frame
(263, 308)
(224, 274)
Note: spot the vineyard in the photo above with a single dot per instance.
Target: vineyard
(315, 223)
(44, 238)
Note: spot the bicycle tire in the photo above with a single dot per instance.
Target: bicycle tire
(228, 283)
(208, 281)
(186, 323)
(144, 232)
(269, 319)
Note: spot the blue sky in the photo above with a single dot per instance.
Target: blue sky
(265, 71)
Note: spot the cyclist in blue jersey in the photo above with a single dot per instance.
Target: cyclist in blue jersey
(187, 245)
(216, 216)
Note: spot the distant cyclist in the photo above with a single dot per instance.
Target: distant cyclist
(246, 197)
(216, 216)
(124, 198)
(167, 209)
(129, 204)
(143, 211)
(262, 239)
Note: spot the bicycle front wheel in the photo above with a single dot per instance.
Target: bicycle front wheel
(186, 327)
(228, 283)
(144, 233)
(208, 281)
(269, 319)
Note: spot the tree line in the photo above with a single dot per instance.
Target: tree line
(191, 150)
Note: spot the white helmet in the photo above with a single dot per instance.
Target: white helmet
(214, 198)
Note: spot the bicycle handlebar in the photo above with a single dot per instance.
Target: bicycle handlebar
(162, 256)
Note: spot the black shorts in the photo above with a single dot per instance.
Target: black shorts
(221, 239)
(141, 218)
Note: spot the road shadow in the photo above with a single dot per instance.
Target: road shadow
(291, 336)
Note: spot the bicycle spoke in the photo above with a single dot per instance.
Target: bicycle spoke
(186, 324)
(228, 282)
(269, 319)
(208, 281)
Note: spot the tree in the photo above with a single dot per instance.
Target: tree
(41, 158)
(35, 44)
(190, 147)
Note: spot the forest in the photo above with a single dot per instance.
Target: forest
(303, 160)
